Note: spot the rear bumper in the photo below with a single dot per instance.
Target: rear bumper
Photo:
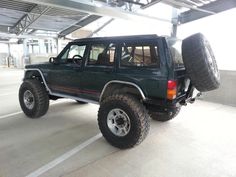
(188, 97)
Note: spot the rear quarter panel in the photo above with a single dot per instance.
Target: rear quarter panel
(153, 81)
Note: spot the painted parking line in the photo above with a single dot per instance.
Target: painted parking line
(19, 112)
(15, 113)
(64, 157)
(9, 115)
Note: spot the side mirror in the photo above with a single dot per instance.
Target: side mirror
(53, 60)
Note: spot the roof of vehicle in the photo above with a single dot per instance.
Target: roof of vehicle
(132, 37)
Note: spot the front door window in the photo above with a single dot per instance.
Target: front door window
(74, 52)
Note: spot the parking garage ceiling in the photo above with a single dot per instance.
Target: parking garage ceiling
(24, 17)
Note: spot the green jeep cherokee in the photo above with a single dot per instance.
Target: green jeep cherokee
(133, 78)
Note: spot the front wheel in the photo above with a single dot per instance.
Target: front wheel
(165, 116)
(123, 121)
(33, 98)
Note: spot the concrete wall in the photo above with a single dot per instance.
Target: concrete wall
(226, 94)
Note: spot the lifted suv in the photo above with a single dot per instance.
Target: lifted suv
(131, 77)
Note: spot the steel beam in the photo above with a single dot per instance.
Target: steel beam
(216, 6)
(101, 27)
(96, 8)
(4, 40)
(151, 3)
(32, 31)
(83, 22)
(179, 4)
(28, 19)
(26, 36)
(134, 2)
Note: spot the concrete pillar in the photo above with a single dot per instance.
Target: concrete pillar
(175, 21)
(25, 59)
(58, 49)
(54, 46)
(9, 55)
(42, 47)
(49, 46)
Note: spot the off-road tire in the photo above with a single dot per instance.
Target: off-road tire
(138, 115)
(165, 116)
(200, 63)
(41, 99)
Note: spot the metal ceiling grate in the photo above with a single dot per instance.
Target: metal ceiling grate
(27, 7)
(65, 13)
(16, 5)
(186, 3)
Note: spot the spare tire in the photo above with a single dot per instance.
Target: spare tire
(200, 63)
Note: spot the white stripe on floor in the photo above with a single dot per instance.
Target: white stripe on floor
(64, 157)
(19, 112)
(9, 115)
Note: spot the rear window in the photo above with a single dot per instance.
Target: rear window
(138, 55)
(176, 52)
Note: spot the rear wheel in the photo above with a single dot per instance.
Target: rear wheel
(165, 116)
(33, 98)
(123, 121)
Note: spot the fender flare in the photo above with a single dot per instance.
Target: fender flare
(122, 82)
(42, 76)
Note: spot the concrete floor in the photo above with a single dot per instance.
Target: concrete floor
(200, 142)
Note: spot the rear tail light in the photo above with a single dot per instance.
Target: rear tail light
(171, 89)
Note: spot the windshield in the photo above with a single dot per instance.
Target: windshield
(175, 49)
